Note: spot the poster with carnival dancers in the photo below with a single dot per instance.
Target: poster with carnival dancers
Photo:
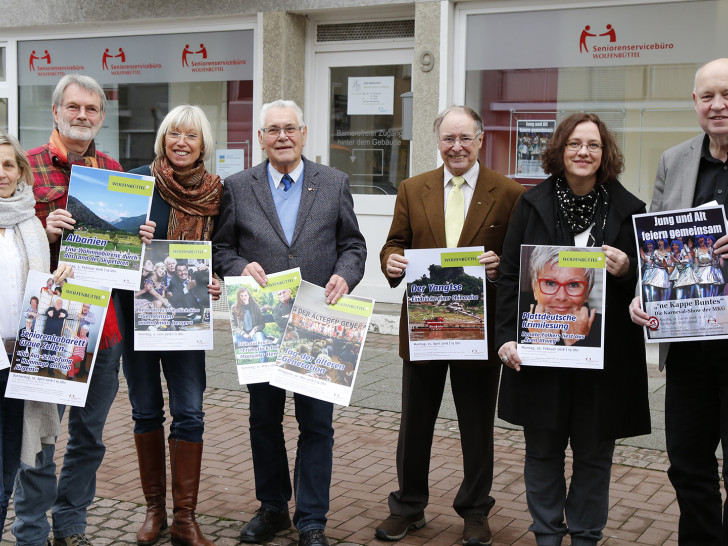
(259, 316)
(682, 281)
(58, 337)
(322, 345)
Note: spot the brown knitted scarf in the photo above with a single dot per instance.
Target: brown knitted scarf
(194, 198)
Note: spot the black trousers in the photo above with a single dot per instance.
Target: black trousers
(474, 392)
(696, 419)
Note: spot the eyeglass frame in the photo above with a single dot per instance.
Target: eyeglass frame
(75, 109)
(563, 285)
(451, 141)
(571, 147)
(177, 136)
(289, 130)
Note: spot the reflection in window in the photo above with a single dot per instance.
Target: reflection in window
(135, 111)
(648, 107)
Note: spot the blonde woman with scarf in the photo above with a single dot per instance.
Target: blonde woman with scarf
(184, 207)
(23, 247)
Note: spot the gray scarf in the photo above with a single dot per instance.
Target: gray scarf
(18, 212)
(41, 422)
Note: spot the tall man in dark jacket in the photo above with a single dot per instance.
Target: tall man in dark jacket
(696, 399)
(289, 212)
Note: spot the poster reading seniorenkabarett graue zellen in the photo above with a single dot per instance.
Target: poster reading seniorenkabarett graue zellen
(108, 207)
(58, 337)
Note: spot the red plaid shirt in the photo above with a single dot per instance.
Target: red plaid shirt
(51, 183)
(51, 192)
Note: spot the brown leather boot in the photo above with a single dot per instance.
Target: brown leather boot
(153, 474)
(186, 460)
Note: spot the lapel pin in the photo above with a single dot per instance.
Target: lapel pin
(310, 188)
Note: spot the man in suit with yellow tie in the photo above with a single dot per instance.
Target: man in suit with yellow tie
(462, 203)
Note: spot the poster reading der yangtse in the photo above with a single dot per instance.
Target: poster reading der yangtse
(258, 319)
(58, 337)
(108, 206)
(321, 348)
(446, 304)
(682, 281)
(172, 305)
(561, 307)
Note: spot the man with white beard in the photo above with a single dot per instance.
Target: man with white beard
(79, 105)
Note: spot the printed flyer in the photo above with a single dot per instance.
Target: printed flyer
(446, 304)
(322, 345)
(682, 283)
(533, 135)
(58, 337)
(172, 308)
(109, 206)
(258, 319)
(561, 307)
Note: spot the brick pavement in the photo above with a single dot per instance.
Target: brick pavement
(643, 507)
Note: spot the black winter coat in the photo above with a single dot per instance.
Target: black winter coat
(545, 397)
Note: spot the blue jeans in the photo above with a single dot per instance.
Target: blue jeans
(11, 421)
(184, 372)
(312, 473)
(186, 381)
(36, 490)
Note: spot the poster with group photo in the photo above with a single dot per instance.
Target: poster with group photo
(321, 348)
(258, 319)
(58, 337)
(172, 307)
(682, 282)
(104, 246)
(561, 307)
(446, 304)
(532, 137)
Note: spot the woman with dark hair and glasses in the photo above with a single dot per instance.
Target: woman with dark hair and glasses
(582, 204)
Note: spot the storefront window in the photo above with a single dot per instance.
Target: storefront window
(637, 78)
(143, 78)
(2, 64)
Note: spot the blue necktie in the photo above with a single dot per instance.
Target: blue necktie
(287, 182)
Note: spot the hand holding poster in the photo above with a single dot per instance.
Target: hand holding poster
(108, 206)
(561, 307)
(681, 279)
(320, 352)
(172, 305)
(258, 319)
(58, 336)
(446, 304)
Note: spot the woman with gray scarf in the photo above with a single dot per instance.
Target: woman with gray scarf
(23, 246)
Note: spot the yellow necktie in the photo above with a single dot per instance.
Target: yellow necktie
(455, 212)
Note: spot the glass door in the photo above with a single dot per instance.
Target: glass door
(355, 125)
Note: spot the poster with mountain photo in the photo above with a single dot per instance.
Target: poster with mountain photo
(108, 206)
